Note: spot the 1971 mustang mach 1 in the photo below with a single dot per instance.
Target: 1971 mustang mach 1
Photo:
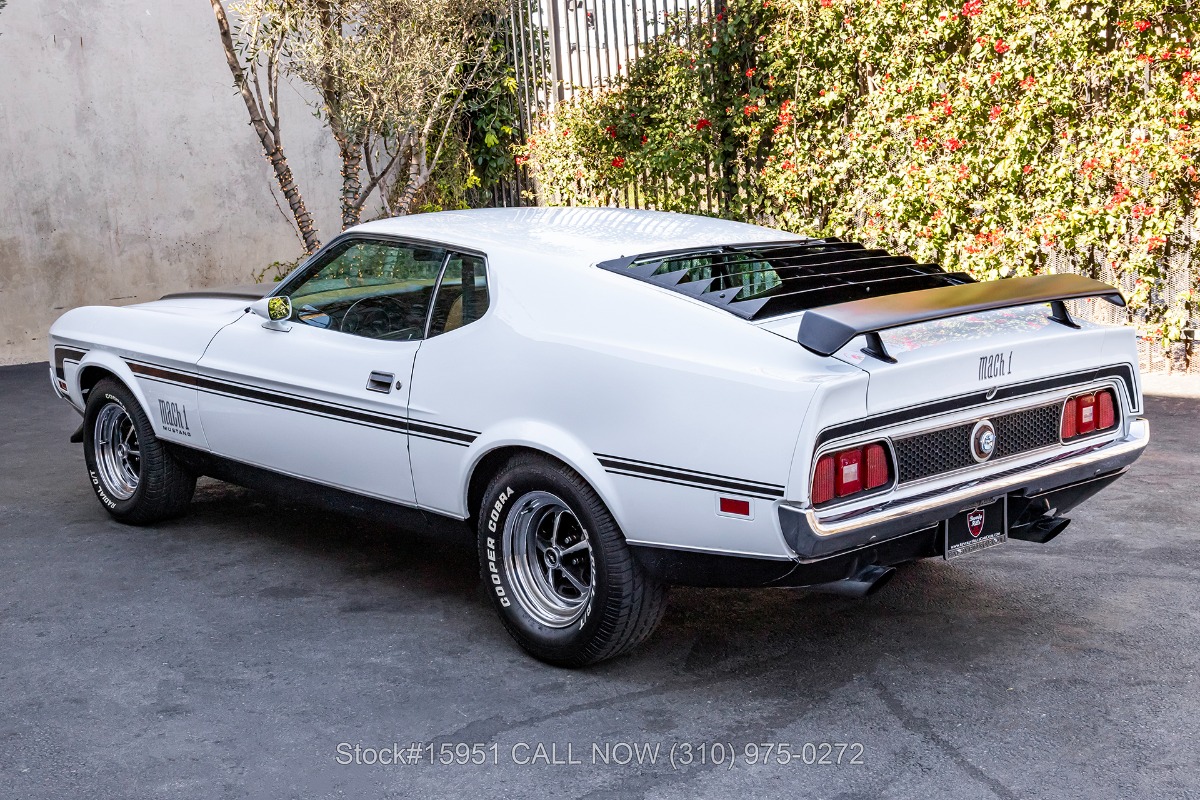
(620, 400)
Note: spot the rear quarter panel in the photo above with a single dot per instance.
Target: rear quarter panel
(600, 370)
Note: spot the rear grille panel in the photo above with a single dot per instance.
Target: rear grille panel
(949, 449)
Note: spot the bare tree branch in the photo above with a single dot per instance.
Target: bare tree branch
(267, 137)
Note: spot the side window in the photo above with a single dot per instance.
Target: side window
(463, 295)
(381, 290)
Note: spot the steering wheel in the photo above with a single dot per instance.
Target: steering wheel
(375, 317)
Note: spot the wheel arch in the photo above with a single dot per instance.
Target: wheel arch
(95, 367)
(490, 456)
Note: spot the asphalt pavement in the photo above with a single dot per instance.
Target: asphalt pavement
(259, 649)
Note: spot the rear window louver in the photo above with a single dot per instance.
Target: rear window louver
(768, 279)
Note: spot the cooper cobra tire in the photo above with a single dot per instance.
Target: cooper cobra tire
(557, 567)
(132, 473)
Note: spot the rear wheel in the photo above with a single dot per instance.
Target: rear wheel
(133, 475)
(557, 567)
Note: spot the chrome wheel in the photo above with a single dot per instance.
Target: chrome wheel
(118, 455)
(548, 559)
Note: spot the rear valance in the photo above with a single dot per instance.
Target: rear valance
(827, 329)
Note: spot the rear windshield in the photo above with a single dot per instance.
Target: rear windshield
(729, 270)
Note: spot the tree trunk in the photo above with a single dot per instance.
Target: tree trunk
(351, 183)
(272, 148)
(418, 174)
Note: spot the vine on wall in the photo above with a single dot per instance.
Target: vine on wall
(986, 136)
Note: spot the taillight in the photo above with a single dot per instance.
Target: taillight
(1070, 411)
(877, 465)
(823, 480)
(850, 471)
(1088, 413)
(1106, 414)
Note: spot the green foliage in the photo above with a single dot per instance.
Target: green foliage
(478, 150)
(984, 136)
(489, 118)
(277, 270)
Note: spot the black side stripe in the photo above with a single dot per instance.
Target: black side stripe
(305, 405)
(699, 480)
(1122, 371)
(62, 354)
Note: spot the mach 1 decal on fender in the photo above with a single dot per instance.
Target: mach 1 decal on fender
(617, 400)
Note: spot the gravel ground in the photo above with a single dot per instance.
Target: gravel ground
(248, 649)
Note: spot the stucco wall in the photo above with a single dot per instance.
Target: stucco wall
(127, 165)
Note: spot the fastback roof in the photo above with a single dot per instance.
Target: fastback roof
(579, 235)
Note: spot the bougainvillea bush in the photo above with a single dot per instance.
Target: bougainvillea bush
(988, 136)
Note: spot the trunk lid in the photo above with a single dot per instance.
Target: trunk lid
(979, 351)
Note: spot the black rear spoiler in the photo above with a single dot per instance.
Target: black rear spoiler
(827, 329)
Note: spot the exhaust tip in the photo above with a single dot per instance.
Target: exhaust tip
(1040, 531)
(864, 583)
(878, 578)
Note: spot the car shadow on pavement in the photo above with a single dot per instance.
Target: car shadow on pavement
(931, 611)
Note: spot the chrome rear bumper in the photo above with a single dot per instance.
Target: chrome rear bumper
(811, 538)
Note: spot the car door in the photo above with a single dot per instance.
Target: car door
(324, 395)
(452, 398)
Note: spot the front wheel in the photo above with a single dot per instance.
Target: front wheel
(557, 567)
(133, 475)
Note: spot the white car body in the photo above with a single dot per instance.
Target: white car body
(663, 403)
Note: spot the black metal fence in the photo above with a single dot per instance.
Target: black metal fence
(561, 48)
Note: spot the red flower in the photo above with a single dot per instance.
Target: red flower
(750, 109)
(953, 144)
(972, 8)
(1027, 169)
(750, 72)
(826, 3)
(702, 124)
(1000, 47)
(522, 160)
(1028, 83)
(994, 114)
(643, 138)
(1142, 25)
(995, 76)
(618, 162)
(611, 131)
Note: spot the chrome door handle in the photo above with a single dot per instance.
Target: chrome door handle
(380, 382)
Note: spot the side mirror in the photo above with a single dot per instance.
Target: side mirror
(275, 310)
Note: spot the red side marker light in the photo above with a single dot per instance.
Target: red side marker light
(732, 505)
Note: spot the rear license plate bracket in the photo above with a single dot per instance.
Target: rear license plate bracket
(975, 529)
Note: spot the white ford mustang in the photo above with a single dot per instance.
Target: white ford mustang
(619, 400)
